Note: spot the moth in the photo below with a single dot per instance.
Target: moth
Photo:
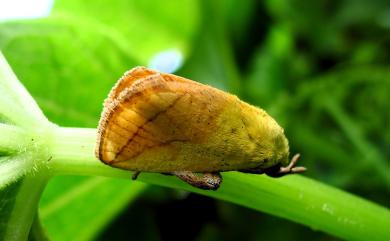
(158, 122)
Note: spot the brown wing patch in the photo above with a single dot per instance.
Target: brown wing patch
(127, 80)
(157, 114)
(128, 126)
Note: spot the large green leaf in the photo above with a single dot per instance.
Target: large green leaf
(144, 28)
(68, 74)
(89, 203)
(69, 62)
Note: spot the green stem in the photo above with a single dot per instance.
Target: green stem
(14, 141)
(16, 104)
(293, 197)
(24, 208)
(73, 153)
(37, 232)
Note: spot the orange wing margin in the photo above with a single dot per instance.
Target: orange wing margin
(133, 120)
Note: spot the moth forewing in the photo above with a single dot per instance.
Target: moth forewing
(157, 122)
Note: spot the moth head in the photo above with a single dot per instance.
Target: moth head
(270, 146)
(281, 149)
(271, 152)
(277, 142)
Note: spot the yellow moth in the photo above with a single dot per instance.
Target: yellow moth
(157, 122)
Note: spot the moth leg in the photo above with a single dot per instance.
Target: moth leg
(206, 181)
(290, 169)
(135, 175)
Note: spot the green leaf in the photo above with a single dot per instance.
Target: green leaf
(7, 200)
(212, 61)
(66, 99)
(74, 84)
(85, 205)
(17, 107)
(69, 62)
(17, 214)
(355, 115)
(144, 27)
(268, 76)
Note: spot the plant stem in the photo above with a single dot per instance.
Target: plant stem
(15, 102)
(73, 153)
(38, 233)
(24, 208)
(14, 141)
(294, 197)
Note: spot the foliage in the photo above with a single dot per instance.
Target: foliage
(320, 68)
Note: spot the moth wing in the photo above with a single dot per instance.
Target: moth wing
(127, 80)
(135, 118)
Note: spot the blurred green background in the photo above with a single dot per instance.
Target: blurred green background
(320, 68)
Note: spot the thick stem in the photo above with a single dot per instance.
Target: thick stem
(295, 197)
(73, 153)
